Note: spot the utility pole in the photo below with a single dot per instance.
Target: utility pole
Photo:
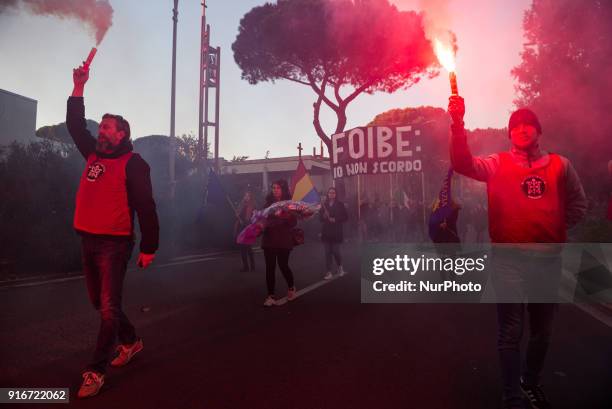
(202, 144)
(172, 149)
(217, 84)
(210, 64)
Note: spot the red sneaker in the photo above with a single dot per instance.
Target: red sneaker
(126, 353)
(92, 383)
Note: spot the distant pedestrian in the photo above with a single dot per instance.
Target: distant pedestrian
(333, 215)
(115, 184)
(364, 216)
(277, 242)
(610, 193)
(479, 221)
(247, 207)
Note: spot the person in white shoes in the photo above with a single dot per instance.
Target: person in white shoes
(333, 215)
(277, 243)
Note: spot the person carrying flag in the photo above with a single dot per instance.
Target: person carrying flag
(247, 207)
(533, 198)
(277, 242)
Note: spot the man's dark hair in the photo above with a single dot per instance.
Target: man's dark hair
(120, 123)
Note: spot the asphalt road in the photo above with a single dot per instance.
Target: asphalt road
(209, 343)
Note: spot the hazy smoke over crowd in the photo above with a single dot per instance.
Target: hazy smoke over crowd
(96, 14)
(437, 19)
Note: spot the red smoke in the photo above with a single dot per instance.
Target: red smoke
(97, 14)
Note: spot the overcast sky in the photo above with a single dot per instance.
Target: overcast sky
(131, 72)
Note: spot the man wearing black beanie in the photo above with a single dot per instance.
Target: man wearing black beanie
(533, 197)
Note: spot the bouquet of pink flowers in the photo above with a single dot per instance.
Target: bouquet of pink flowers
(280, 210)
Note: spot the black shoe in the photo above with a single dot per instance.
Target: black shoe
(535, 396)
(244, 269)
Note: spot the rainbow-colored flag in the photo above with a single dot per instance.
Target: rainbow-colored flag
(302, 187)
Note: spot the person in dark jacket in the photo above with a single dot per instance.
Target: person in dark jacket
(115, 184)
(277, 242)
(244, 216)
(333, 215)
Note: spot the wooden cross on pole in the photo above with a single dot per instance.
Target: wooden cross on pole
(300, 150)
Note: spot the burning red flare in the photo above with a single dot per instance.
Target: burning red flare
(90, 57)
(446, 57)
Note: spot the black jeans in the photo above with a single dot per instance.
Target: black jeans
(104, 264)
(511, 318)
(332, 248)
(524, 280)
(273, 256)
(246, 252)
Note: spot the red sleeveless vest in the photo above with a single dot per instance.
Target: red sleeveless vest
(102, 200)
(527, 205)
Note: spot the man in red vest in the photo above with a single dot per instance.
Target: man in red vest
(115, 184)
(533, 197)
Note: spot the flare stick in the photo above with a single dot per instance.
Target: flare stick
(453, 83)
(90, 57)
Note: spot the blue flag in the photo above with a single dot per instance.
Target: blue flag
(443, 219)
(215, 194)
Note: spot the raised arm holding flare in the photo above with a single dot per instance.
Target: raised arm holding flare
(533, 197)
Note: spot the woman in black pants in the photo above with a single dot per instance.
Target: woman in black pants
(244, 217)
(332, 215)
(277, 242)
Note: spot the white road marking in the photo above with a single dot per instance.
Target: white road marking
(215, 253)
(56, 280)
(308, 289)
(131, 269)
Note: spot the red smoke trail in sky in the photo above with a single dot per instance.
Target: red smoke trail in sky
(96, 14)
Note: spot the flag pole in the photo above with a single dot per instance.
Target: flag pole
(423, 192)
(358, 198)
(390, 196)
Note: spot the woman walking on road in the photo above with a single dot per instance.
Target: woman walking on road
(277, 242)
(332, 215)
(244, 216)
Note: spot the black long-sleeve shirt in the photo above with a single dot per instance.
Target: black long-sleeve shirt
(139, 189)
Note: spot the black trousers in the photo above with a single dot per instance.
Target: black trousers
(511, 319)
(246, 252)
(274, 256)
(526, 285)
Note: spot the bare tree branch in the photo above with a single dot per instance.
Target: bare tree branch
(321, 91)
(358, 91)
(295, 80)
(337, 93)
(317, 109)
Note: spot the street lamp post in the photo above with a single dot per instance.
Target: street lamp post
(172, 103)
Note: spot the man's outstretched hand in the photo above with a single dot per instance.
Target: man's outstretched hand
(79, 78)
(145, 259)
(456, 109)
